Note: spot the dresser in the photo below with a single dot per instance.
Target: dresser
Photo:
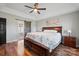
(69, 41)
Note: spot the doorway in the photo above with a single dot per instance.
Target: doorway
(2, 31)
(27, 27)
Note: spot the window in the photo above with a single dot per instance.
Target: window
(20, 26)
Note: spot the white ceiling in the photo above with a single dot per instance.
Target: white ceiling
(52, 9)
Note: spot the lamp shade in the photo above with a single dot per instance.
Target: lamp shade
(69, 31)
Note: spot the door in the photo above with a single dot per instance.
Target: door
(27, 26)
(2, 30)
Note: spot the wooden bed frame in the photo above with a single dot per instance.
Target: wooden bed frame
(38, 48)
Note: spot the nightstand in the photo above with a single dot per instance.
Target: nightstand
(70, 41)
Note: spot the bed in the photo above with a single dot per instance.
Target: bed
(43, 43)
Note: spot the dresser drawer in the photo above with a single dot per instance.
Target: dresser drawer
(72, 45)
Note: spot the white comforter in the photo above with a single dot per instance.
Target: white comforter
(51, 40)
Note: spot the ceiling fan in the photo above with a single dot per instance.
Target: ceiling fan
(35, 8)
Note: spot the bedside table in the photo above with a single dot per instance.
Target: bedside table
(70, 41)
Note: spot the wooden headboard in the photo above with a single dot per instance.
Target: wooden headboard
(57, 28)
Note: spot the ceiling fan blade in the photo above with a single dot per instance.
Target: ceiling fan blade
(41, 8)
(28, 6)
(31, 11)
(38, 12)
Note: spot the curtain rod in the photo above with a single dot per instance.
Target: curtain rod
(23, 20)
(20, 20)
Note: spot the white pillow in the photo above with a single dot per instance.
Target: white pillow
(50, 31)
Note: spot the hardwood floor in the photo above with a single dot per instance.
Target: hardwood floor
(17, 49)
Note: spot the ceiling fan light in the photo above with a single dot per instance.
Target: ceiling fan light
(35, 10)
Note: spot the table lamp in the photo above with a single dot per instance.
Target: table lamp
(69, 32)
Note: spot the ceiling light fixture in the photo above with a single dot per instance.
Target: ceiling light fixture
(35, 10)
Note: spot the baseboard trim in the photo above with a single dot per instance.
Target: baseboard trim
(77, 46)
(15, 40)
(11, 41)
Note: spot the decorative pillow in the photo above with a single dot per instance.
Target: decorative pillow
(50, 31)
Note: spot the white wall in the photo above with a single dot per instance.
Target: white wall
(33, 26)
(67, 21)
(11, 27)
